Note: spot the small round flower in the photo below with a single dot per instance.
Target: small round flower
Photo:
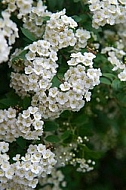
(38, 124)
(40, 148)
(9, 173)
(4, 147)
(53, 92)
(65, 86)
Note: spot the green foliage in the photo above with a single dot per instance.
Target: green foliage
(52, 139)
(20, 56)
(28, 34)
(50, 126)
(10, 100)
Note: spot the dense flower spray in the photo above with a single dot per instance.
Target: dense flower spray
(55, 70)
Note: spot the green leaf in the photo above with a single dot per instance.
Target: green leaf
(50, 126)
(90, 153)
(80, 120)
(11, 99)
(121, 98)
(116, 84)
(46, 18)
(28, 34)
(26, 102)
(21, 142)
(52, 139)
(65, 135)
(105, 81)
(77, 18)
(109, 76)
(55, 82)
(20, 56)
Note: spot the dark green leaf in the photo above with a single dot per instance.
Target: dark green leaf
(28, 34)
(20, 56)
(121, 98)
(116, 84)
(77, 18)
(52, 139)
(65, 135)
(26, 102)
(21, 142)
(55, 82)
(50, 126)
(80, 120)
(90, 153)
(105, 81)
(109, 76)
(45, 18)
(11, 99)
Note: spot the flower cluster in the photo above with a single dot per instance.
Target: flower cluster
(38, 161)
(107, 12)
(8, 128)
(40, 68)
(67, 156)
(59, 30)
(22, 6)
(8, 33)
(115, 57)
(56, 179)
(34, 21)
(82, 37)
(27, 124)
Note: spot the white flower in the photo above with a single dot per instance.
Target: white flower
(26, 114)
(17, 157)
(33, 110)
(40, 148)
(5, 166)
(33, 183)
(28, 70)
(72, 62)
(37, 116)
(32, 149)
(122, 75)
(29, 175)
(33, 47)
(4, 147)
(73, 103)
(61, 98)
(30, 56)
(46, 153)
(87, 96)
(89, 56)
(1, 173)
(53, 92)
(65, 86)
(35, 168)
(38, 124)
(9, 173)
(26, 166)
(53, 107)
(26, 157)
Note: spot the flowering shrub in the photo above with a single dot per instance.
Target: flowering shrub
(62, 97)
